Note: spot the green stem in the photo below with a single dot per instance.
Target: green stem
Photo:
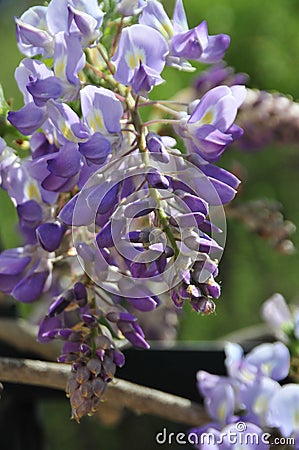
(141, 129)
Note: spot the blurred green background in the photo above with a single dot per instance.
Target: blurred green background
(265, 44)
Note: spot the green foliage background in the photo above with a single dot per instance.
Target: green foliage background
(265, 44)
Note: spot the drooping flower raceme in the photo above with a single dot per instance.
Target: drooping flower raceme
(114, 216)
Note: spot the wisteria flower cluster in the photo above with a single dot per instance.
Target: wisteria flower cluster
(251, 393)
(112, 214)
(255, 393)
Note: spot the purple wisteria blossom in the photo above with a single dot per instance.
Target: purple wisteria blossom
(249, 395)
(38, 27)
(210, 127)
(184, 44)
(39, 84)
(277, 314)
(140, 58)
(117, 221)
(283, 411)
(69, 60)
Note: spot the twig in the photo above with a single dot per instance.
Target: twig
(120, 393)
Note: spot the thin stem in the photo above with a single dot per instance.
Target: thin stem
(161, 107)
(167, 121)
(98, 72)
(129, 130)
(107, 62)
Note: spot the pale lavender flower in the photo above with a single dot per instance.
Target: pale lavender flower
(69, 60)
(68, 125)
(82, 17)
(272, 360)
(101, 111)
(208, 130)
(283, 412)
(220, 403)
(140, 44)
(256, 398)
(8, 159)
(38, 27)
(27, 119)
(32, 34)
(154, 16)
(144, 79)
(195, 44)
(276, 312)
(58, 171)
(198, 45)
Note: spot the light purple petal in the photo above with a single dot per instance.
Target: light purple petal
(179, 17)
(272, 360)
(216, 48)
(57, 16)
(101, 109)
(27, 119)
(12, 263)
(255, 398)
(220, 402)
(283, 411)
(43, 90)
(69, 58)
(139, 43)
(96, 149)
(190, 44)
(154, 16)
(32, 33)
(30, 70)
(217, 107)
(87, 24)
(67, 122)
(276, 312)
(130, 7)
(144, 79)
